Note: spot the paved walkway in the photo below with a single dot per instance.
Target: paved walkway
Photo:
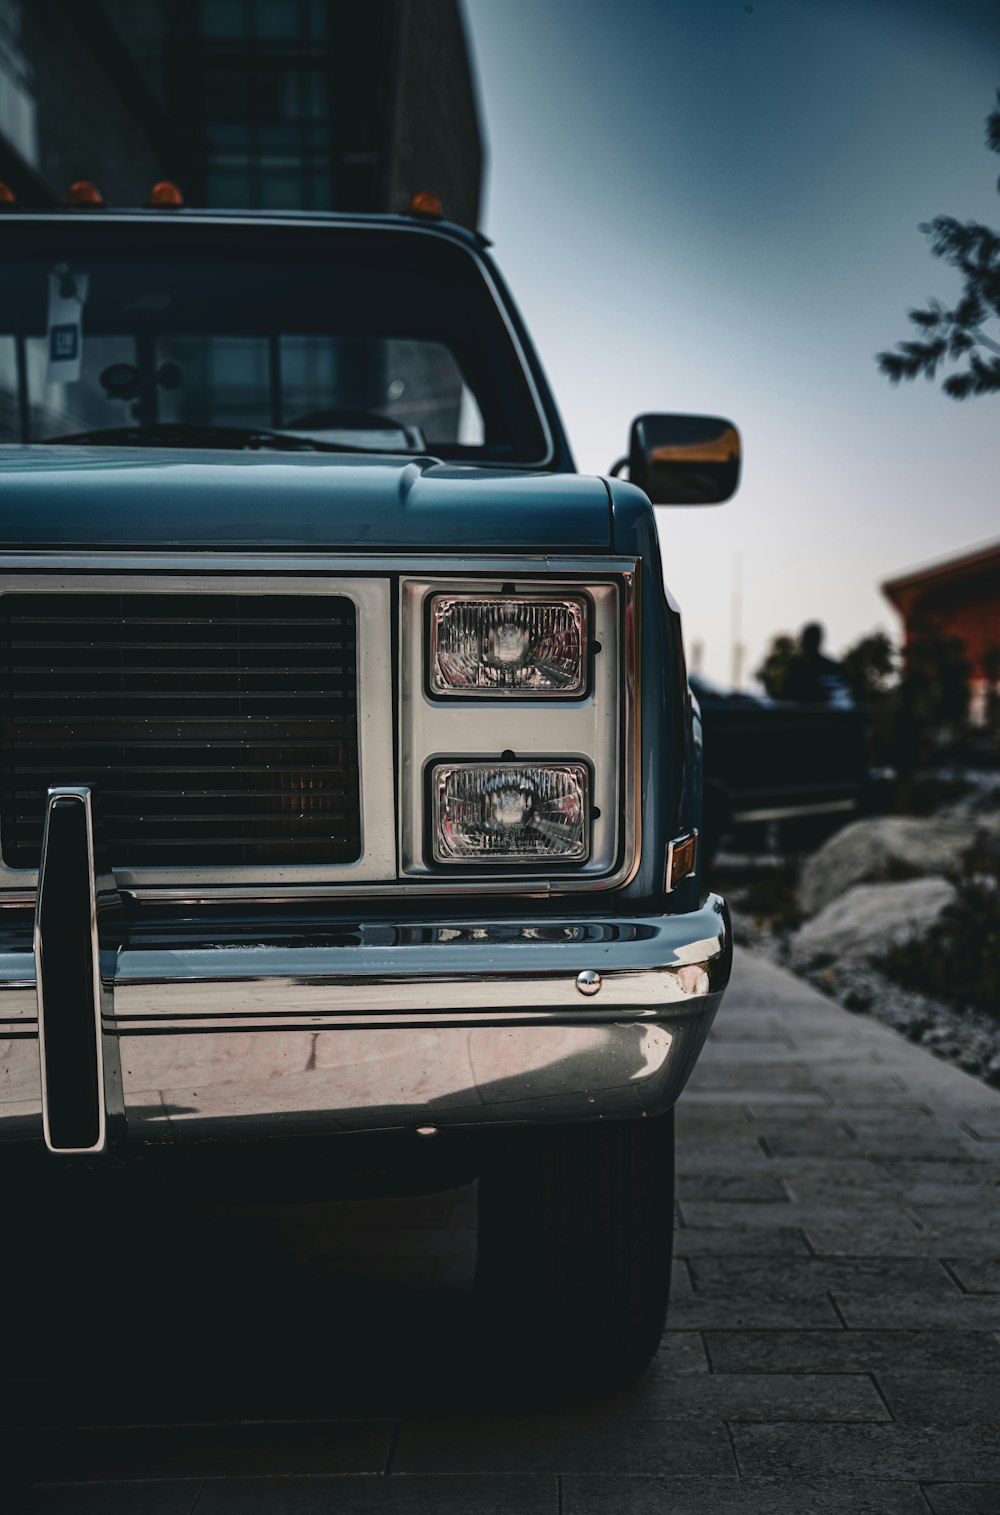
(833, 1346)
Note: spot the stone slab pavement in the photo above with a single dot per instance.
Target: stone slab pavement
(834, 1341)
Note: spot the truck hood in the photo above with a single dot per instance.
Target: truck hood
(135, 498)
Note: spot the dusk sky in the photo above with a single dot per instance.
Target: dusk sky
(713, 207)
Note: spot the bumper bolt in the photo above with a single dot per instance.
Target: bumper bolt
(589, 981)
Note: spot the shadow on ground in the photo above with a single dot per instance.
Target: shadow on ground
(134, 1312)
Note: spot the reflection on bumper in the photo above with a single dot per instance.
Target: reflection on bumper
(390, 1025)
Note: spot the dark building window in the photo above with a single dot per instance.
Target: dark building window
(259, 81)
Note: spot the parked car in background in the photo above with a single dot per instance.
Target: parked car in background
(348, 789)
(800, 768)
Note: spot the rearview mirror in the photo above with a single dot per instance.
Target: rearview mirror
(684, 460)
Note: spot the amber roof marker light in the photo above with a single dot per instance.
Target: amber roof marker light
(83, 195)
(424, 203)
(8, 199)
(165, 196)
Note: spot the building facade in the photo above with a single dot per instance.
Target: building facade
(261, 104)
(960, 598)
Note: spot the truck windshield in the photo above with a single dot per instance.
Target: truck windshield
(227, 335)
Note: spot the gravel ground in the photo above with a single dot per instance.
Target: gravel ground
(966, 1038)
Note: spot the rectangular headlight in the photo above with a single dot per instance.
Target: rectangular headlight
(493, 644)
(510, 812)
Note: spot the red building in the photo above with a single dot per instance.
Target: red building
(961, 597)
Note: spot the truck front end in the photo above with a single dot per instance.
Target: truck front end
(348, 775)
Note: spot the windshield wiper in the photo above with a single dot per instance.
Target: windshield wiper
(187, 434)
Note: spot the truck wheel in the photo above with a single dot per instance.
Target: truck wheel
(575, 1245)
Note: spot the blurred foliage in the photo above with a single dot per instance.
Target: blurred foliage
(991, 672)
(773, 897)
(766, 896)
(870, 667)
(915, 700)
(773, 671)
(959, 962)
(933, 702)
(927, 793)
(958, 335)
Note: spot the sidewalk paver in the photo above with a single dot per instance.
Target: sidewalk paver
(834, 1340)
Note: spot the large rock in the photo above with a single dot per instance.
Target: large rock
(891, 847)
(869, 919)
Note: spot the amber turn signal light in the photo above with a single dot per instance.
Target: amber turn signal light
(424, 203)
(165, 196)
(84, 193)
(682, 860)
(8, 199)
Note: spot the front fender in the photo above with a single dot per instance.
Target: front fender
(670, 755)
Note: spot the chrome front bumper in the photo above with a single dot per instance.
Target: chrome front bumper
(382, 1025)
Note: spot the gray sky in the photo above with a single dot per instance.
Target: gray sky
(707, 205)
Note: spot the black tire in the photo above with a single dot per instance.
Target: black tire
(575, 1246)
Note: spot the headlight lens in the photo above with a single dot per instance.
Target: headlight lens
(489, 644)
(513, 812)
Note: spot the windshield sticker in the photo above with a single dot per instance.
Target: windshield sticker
(67, 297)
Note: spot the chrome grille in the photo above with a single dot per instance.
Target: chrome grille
(218, 730)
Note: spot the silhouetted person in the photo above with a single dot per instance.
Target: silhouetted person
(814, 679)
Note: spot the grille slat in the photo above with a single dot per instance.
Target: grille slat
(111, 689)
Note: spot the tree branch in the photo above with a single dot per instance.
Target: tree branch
(985, 341)
(955, 337)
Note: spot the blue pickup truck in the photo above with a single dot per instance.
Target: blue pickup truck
(349, 773)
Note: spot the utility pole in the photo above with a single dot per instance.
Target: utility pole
(736, 622)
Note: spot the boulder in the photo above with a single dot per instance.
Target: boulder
(869, 919)
(889, 847)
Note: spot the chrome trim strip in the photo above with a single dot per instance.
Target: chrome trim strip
(406, 227)
(396, 972)
(271, 892)
(793, 812)
(175, 564)
(631, 764)
(286, 990)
